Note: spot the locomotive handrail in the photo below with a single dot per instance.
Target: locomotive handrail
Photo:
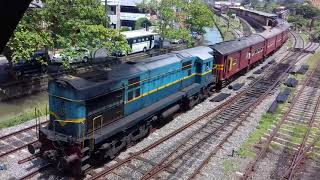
(93, 129)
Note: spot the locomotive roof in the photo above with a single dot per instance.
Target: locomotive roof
(98, 81)
(229, 47)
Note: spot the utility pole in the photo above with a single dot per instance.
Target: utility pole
(118, 14)
(106, 9)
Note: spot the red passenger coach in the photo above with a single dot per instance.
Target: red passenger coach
(235, 57)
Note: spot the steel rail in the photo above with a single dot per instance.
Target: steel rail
(291, 171)
(16, 149)
(29, 158)
(35, 172)
(262, 152)
(301, 151)
(21, 131)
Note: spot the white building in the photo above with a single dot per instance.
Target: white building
(229, 4)
(129, 13)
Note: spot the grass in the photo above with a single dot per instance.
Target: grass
(289, 43)
(24, 116)
(229, 166)
(305, 37)
(264, 124)
(226, 33)
(246, 149)
(312, 61)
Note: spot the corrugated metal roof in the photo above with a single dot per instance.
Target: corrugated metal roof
(229, 47)
(137, 33)
(261, 13)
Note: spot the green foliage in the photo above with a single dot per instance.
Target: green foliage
(176, 18)
(198, 16)
(178, 34)
(24, 116)
(142, 23)
(306, 10)
(66, 24)
(29, 36)
(124, 28)
(150, 6)
(246, 149)
(229, 166)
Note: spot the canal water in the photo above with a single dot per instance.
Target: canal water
(12, 108)
(212, 36)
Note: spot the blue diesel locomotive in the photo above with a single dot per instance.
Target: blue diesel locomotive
(99, 113)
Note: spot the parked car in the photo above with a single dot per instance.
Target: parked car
(176, 41)
(195, 35)
(83, 55)
(32, 66)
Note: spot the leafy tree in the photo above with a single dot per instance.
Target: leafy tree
(29, 36)
(178, 34)
(65, 24)
(142, 23)
(198, 16)
(149, 6)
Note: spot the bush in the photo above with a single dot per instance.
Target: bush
(142, 23)
(124, 28)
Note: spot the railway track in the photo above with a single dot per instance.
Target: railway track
(209, 133)
(296, 132)
(299, 43)
(18, 140)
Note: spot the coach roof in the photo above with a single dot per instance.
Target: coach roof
(228, 47)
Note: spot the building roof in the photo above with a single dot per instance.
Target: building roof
(124, 2)
(137, 33)
(270, 15)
